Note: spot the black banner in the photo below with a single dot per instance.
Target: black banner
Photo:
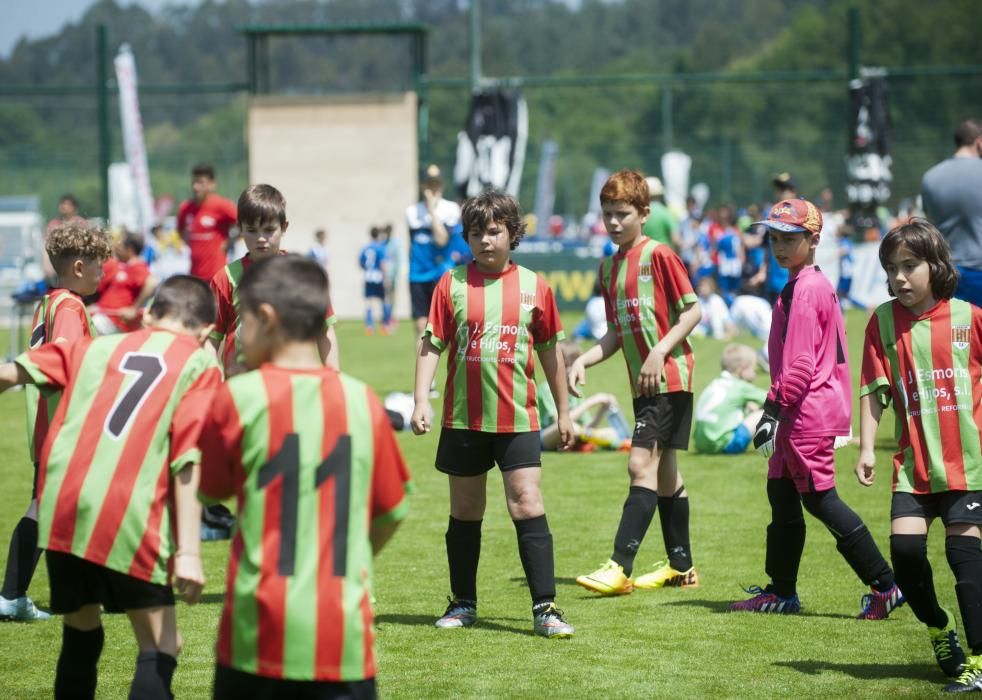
(869, 161)
(491, 149)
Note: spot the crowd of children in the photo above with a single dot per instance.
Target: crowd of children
(130, 430)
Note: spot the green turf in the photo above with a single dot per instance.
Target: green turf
(648, 644)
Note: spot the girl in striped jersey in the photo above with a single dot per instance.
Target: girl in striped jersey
(490, 315)
(923, 353)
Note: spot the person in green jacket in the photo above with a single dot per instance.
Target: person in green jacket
(729, 408)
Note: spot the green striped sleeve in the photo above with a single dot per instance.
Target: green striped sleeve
(545, 345)
(394, 515)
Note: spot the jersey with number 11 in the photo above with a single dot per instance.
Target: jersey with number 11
(129, 417)
(313, 462)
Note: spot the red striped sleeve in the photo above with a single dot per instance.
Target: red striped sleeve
(63, 526)
(902, 323)
(631, 292)
(389, 471)
(948, 422)
(975, 369)
(330, 588)
(472, 355)
(271, 591)
(507, 368)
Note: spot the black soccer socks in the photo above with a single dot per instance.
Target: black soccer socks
(463, 552)
(639, 509)
(785, 537)
(77, 670)
(673, 511)
(535, 551)
(22, 559)
(965, 559)
(154, 671)
(915, 577)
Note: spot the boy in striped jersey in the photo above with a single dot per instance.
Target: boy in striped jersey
(262, 223)
(651, 310)
(77, 253)
(119, 468)
(320, 485)
(490, 314)
(808, 406)
(923, 353)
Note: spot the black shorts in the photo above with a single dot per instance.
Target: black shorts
(234, 684)
(464, 452)
(34, 488)
(76, 582)
(374, 290)
(420, 294)
(665, 419)
(951, 506)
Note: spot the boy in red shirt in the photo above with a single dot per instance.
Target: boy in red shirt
(651, 310)
(262, 222)
(489, 315)
(204, 223)
(808, 407)
(77, 254)
(923, 353)
(119, 470)
(320, 484)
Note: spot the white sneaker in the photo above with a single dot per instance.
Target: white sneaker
(21, 610)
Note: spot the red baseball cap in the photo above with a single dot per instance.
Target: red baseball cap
(794, 216)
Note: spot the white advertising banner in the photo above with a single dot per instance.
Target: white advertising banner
(136, 152)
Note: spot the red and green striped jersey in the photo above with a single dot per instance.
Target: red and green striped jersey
(644, 290)
(129, 418)
(225, 286)
(930, 366)
(60, 316)
(313, 463)
(491, 323)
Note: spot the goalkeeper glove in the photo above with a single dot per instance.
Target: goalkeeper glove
(767, 429)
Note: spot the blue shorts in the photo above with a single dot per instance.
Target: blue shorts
(374, 290)
(738, 443)
(969, 285)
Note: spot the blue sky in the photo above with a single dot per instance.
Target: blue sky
(39, 19)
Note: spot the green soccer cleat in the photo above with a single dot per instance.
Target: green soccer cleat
(970, 680)
(609, 579)
(460, 613)
(21, 610)
(550, 624)
(947, 651)
(664, 576)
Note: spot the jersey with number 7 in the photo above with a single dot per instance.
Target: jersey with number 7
(313, 463)
(129, 417)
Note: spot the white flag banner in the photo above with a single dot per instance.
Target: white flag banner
(675, 167)
(136, 152)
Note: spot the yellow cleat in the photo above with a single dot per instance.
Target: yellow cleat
(609, 579)
(664, 576)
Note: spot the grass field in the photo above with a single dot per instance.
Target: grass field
(680, 643)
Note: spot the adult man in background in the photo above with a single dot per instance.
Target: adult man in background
(204, 222)
(952, 196)
(435, 243)
(67, 214)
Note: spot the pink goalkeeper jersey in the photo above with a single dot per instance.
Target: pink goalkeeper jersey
(808, 358)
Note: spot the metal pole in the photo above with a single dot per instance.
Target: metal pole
(422, 99)
(475, 45)
(102, 96)
(667, 128)
(854, 41)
